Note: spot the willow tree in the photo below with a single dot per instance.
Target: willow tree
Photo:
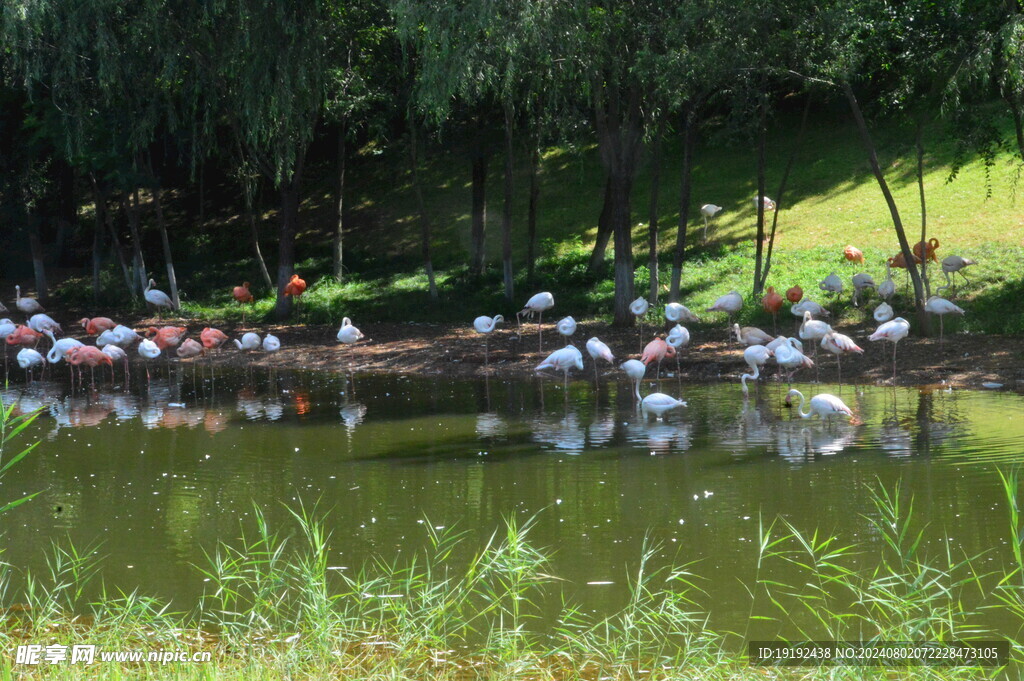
(264, 69)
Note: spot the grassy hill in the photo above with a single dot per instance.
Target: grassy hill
(832, 201)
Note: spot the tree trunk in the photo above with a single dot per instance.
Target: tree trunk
(425, 228)
(97, 247)
(35, 242)
(478, 218)
(531, 213)
(762, 134)
(254, 237)
(652, 220)
(894, 212)
(1018, 123)
(172, 280)
(782, 190)
(131, 211)
(287, 226)
(621, 184)
(689, 142)
(604, 231)
(339, 230)
(924, 212)
(506, 216)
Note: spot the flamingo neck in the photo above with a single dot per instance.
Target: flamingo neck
(800, 407)
(636, 389)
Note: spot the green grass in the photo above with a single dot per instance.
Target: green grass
(274, 607)
(832, 201)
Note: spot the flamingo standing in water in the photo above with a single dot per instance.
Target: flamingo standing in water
(893, 331)
(635, 369)
(678, 337)
(537, 304)
(23, 336)
(486, 325)
(658, 404)
(167, 336)
(790, 357)
(117, 354)
(599, 350)
(7, 327)
(29, 359)
(562, 360)
(90, 356)
(658, 350)
(755, 356)
(822, 405)
(148, 350)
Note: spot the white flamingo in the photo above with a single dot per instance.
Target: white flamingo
(157, 298)
(348, 334)
(883, 312)
(486, 325)
(813, 330)
(755, 356)
(29, 306)
(808, 305)
(271, 343)
(893, 331)
(838, 344)
(562, 360)
(678, 313)
(120, 335)
(42, 323)
(861, 281)
(537, 304)
(566, 327)
(678, 337)
(250, 341)
(658, 404)
(148, 350)
(887, 289)
(635, 369)
(730, 303)
(822, 405)
(28, 359)
(597, 349)
(942, 307)
(790, 357)
(116, 354)
(768, 203)
(639, 308)
(953, 264)
(751, 335)
(708, 211)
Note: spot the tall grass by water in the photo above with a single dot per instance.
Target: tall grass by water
(275, 607)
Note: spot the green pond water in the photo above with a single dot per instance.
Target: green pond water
(157, 476)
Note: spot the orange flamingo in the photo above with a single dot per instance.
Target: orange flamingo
(91, 356)
(296, 287)
(899, 262)
(927, 248)
(853, 254)
(658, 350)
(97, 325)
(24, 337)
(212, 338)
(795, 294)
(167, 336)
(772, 303)
(242, 293)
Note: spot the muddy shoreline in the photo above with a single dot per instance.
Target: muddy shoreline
(966, 361)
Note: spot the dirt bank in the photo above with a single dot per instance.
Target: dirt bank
(432, 349)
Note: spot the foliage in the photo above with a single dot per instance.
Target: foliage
(11, 425)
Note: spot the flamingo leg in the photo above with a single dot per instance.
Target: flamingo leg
(894, 363)
(486, 358)
(941, 318)
(540, 333)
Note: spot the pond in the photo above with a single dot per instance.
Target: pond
(153, 478)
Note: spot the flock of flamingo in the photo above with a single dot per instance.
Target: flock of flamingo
(761, 346)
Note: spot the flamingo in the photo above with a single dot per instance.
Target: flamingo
(167, 336)
(243, 295)
(658, 404)
(157, 298)
(831, 284)
(190, 348)
(658, 350)
(730, 303)
(755, 356)
(887, 288)
(813, 330)
(599, 350)
(809, 305)
(639, 308)
(24, 336)
(90, 356)
(941, 307)
(822, 405)
(751, 335)
(789, 355)
(953, 264)
(562, 360)
(486, 326)
(635, 369)
(120, 335)
(28, 359)
(768, 203)
(861, 281)
(116, 353)
(348, 334)
(837, 344)
(795, 294)
(96, 325)
(250, 341)
(677, 313)
(893, 331)
(853, 254)
(3, 309)
(883, 312)
(212, 338)
(772, 303)
(926, 251)
(537, 304)
(29, 306)
(709, 211)
(7, 327)
(148, 350)
(295, 286)
(566, 327)
(43, 322)
(60, 347)
(678, 338)
(271, 343)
